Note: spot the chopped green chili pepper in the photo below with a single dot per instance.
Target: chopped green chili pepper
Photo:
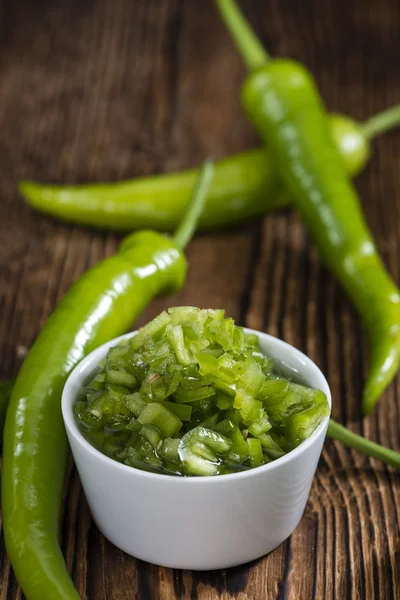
(162, 418)
(281, 99)
(217, 433)
(169, 450)
(101, 305)
(183, 411)
(245, 186)
(301, 424)
(255, 452)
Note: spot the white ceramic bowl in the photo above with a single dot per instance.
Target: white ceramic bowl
(197, 522)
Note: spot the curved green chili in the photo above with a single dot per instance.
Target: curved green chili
(245, 186)
(283, 103)
(100, 306)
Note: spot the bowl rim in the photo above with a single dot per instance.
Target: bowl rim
(83, 369)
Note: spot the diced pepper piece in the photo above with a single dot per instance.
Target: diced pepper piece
(266, 363)
(117, 392)
(216, 314)
(174, 381)
(283, 398)
(238, 339)
(105, 405)
(234, 416)
(112, 444)
(92, 396)
(224, 388)
(191, 379)
(152, 329)
(211, 421)
(206, 406)
(249, 407)
(157, 352)
(169, 450)
(224, 402)
(208, 363)
(97, 383)
(255, 451)
(142, 456)
(151, 434)
(214, 440)
(195, 465)
(224, 334)
(251, 340)
(270, 447)
(226, 364)
(272, 389)
(195, 346)
(192, 332)
(252, 379)
(239, 452)
(260, 425)
(203, 451)
(198, 450)
(301, 425)
(180, 314)
(121, 378)
(135, 403)
(277, 435)
(177, 341)
(86, 419)
(155, 387)
(239, 397)
(226, 427)
(182, 396)
(118, 357)
(183, 411)
(158, 415)
(211, 438)
(134, 425)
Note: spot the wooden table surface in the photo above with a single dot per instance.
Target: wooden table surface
(102, 90)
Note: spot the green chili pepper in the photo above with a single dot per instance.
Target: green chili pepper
(281, 99)
(100, 306)
(5, 393)
(245, 186)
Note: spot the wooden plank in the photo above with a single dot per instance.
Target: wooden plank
(109, 90)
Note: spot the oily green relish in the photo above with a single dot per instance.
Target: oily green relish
(191, 394)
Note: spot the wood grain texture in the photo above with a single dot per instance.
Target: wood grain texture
(101, 90)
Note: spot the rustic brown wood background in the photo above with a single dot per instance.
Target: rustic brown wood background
(101, 90)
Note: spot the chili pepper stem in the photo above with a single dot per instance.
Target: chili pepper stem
(198, 198)
(248, 45)
(254, 55)
(383, 121)
(340, 433)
